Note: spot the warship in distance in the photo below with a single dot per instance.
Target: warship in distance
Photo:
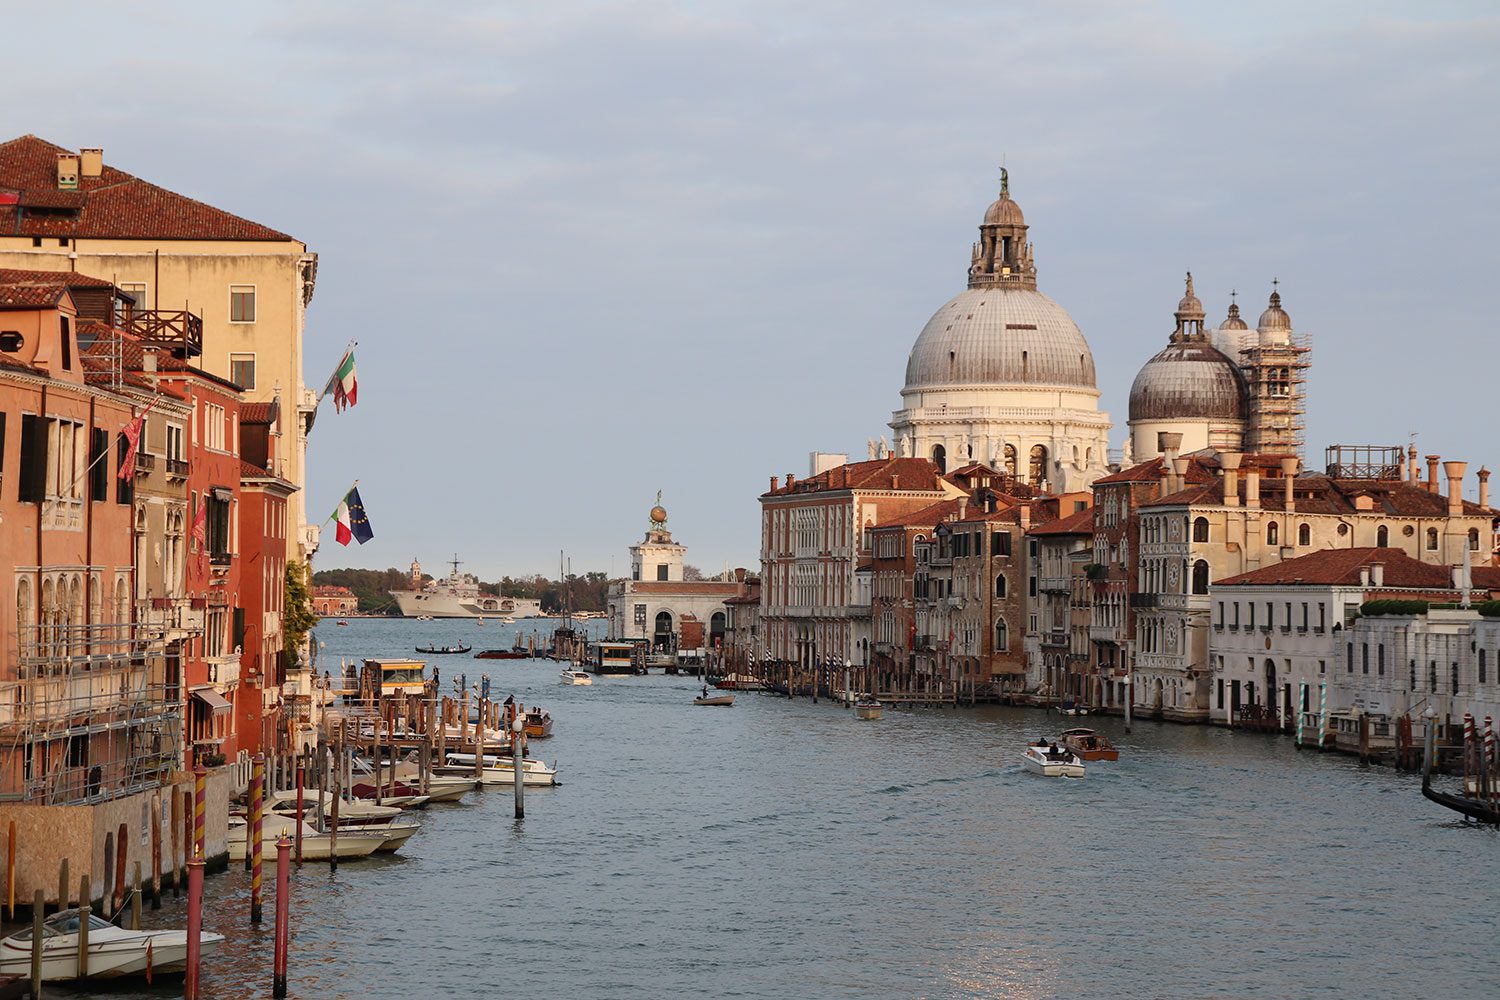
(457, 596)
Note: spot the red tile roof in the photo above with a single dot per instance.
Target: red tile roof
(67, 279)
(31, 296)
(924, 517)
(114, 205)
(910, 473)
(698, 587)
(256, 413)
(1318, 494)
(1079, 523)
(1341, 567)
(1147, 472)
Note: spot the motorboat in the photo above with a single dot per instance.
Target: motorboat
(443, 650)
(316, 846)
(1072, 708)
(501, 770)
(1052, 760)
(354, 814)
(576, 677)
(341, 623)
(724, 700)
(113, 952)
(440, 787)
(868, 708)
(1089, 745)
(501, 654)
(538, 724)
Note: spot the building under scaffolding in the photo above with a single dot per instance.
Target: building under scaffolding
(94, 713)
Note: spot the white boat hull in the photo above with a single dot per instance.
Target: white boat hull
(1066, 767)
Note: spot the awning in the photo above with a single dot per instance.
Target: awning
(212, 699)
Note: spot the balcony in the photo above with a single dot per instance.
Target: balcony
(144, 461)
(177, 468)
(177, 330)
(1145, 600)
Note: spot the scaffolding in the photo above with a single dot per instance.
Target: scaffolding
(93, 713)
(1276, 373)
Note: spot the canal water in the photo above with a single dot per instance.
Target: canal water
(784, 849)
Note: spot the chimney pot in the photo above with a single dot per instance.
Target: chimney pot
(963, 507)
(1377, 574)
(774, 481)
(1455, 473)
(1432, 464)
(1484, 486)
(895, 481)
(1252, 488)
(1230, 462)
(67, 171)
(1414, 477)
(90, 162)
(1364, 576)
(148, 364)
(1289, 473)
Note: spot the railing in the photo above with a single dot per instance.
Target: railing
(177, 467)
(1139, 600)
(176, 329)
(145, 461)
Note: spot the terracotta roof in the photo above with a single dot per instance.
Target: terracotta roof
(925, 517)
(1318, 494)
(114, 205)
(330, 591)
(1079, 523)
(67, 279)
(910, 474)
(31, 296)
(256, 413)
(1340, 567)
(1148, 472)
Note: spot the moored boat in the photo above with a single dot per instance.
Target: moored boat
(352, 842)
(113, 952)
(868, 708)
(1089, 745)
(500, 770)
(1052, 761)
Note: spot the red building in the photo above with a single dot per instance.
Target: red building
(263, 532)
(331, 602)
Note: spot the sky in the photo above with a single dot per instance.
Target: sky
(590, 251)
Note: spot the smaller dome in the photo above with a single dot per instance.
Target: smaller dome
(1188, 380)
(1189, 305)
(1004, 212)
(1233, 321)
(1275, 317)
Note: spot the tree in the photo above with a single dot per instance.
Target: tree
(297, 619)
(691, 572)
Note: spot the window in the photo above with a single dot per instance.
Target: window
(1383, 536)
(1482, 666)
(1380, 659)
(1000, 543)
(1364, 658)
(1453, 683)
(65, 332)
(1432, 676)
(1349, 658)
(1200, 577)
(1304, 534)
(1000, 585)
(1002, 636)
(124, 489)
(1200, 530)
(1322, 666)
(98, 465)
(137, 291)
(33, 458)
(1432, 539)
(1272, 534)
(217, 525)
(1473, 539)
(242, 370)
(661, 572)
(242, 303)
(11, 341)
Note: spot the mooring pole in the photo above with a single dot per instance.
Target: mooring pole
(194, 928)
(518, 759)
(256, 855)
(278, 974)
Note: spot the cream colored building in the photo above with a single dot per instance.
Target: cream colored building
(251, 285)
(1001, 375)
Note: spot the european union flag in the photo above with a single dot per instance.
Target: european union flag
(359, 521)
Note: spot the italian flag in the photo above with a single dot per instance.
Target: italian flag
(344, 384)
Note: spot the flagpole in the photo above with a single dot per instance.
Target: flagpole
(337, 365)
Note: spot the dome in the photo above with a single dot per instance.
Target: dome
(1233, 321)
(1000, 336)
(1188, 380)
(1275, 317)
(1004, 212)
(1188, 307)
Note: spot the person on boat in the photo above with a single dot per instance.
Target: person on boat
(705, 690)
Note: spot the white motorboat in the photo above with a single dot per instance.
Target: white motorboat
(501, 770)
(1052, 760)
(352, 842)
(576, 677)
(112, 952)
(356, 816)
(440, 787)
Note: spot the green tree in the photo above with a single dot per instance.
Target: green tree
(297, 619)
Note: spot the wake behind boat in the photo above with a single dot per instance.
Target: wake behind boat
(1052, 761)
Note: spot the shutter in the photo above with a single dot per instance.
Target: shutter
(2, 447)
(124, 489)
(33, 458)
(239, 628)
(98, 464)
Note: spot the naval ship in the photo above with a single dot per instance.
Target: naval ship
(457, 596)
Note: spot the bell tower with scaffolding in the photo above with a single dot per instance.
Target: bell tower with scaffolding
(1275, 369)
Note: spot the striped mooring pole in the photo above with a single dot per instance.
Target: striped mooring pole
(257, 846)
(1322, 716)
(200, 805)
(1301, 715)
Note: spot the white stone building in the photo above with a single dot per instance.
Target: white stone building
(656, 604)
(1001, 375)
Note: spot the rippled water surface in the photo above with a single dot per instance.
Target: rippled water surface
(784, 849)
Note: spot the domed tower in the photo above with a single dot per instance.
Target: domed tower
(1190, 388)
(657, 558)
(1001, 374)
(1276, 368)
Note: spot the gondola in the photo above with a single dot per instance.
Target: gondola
(1475, 809)
(440, 650)
(501, 654)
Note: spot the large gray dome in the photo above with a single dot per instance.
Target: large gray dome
(1000, 336)
(1188, 380)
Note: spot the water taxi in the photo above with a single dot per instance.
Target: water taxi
(576, 677)
(113, 952)
(867, 708)
(1052, 761)
(1089, 745)
(538, 723)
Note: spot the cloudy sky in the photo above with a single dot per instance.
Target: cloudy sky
(593, 250)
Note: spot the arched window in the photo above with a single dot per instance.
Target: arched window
(1473, 539)
(940, 457)
(1383, 536)
(122, 601)
(1200, 577)
(1010, 460)
(1200, 530)
(1304, 534)
(1000, 585)
(1432, 539)
(1273, 534)
(1002, 636)
(25, 615)
(1038, 465)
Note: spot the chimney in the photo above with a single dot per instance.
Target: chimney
(774, 481)
(1484, 486)
(1289, 473)
(91, 162)
(1025, 517)
(1377, 574)
(739, 574)
(148, 362)
(790, 480)
(1455, 472)
(1230, 461)
(895, 481)
(1432, 464)
(67, 171)
(1364, 576)
(1179, 473)
(963, 507)
(1414, 477)
(1252, 488)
